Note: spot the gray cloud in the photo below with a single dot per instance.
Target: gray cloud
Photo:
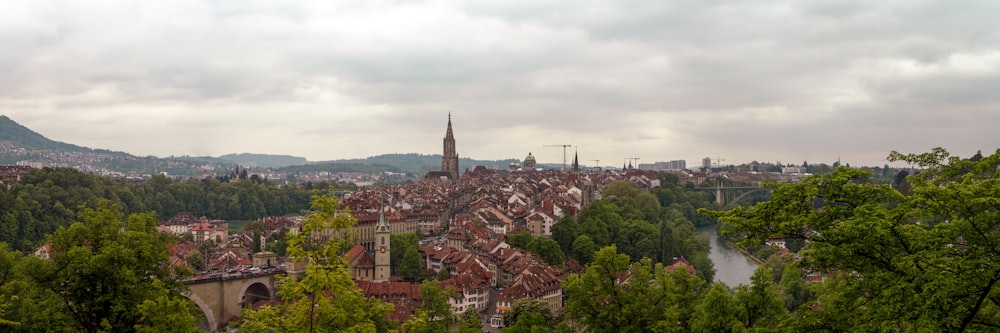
(768, 81)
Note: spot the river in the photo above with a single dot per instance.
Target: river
(731, 266)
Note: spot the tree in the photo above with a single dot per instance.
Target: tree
(548, 250)
(412, 264)
(325, 299)
(406, 257)
(520, 240)
(717, 312)
(681, 292)
(443, 274)
(110, 273)
(529, 322)
(584, 248)
(793, 289)
(8, 261)
(762, 305)
(615, 295)
(525, 306)
(470, 322)
(564, 232)
(436, 305)
(918, 262)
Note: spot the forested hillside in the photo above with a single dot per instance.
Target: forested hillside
(12, 132)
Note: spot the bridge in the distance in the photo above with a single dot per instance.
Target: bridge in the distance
(720, 192)
(221, 296)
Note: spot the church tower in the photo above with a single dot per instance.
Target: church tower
(576, 163)
(382, 250)
(449, 162)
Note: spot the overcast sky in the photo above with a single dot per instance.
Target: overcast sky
(772, 81)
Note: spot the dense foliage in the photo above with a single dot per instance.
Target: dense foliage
(918, 260)
(634, 221)
(405, 256)
(45, 198)
(107, 273)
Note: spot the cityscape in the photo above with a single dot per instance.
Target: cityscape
(499, 166)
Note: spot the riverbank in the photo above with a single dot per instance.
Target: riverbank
(743, 251)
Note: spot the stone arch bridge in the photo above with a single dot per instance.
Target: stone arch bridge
(221, 296)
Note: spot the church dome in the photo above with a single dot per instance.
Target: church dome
(529, 162)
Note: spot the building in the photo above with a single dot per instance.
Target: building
(360, 263)
(382, 268)
(674, 165)
(449, 159)
(205, 231)
(449, 162)
(529, 162)
(706, 163)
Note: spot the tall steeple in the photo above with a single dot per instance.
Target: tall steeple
(449, 160)
(382, 265)
(576, 162)
(449, 135)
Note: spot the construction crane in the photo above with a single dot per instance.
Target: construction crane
(633, 160)
(564, 153)
(718, 162)
(597, 162)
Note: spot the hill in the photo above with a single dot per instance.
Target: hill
(263, 160)
(13, 133)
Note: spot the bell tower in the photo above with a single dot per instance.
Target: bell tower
(449, 160)
(382, 250)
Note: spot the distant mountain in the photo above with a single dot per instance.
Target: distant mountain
(264, 160)
(13, 133)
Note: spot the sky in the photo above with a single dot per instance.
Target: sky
(740, 81)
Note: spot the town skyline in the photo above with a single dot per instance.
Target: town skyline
(785, 82)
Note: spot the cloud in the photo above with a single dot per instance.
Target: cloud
(763, 80)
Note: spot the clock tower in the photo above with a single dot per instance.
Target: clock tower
(382, 250)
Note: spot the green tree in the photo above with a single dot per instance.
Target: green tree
(470, 322)
(681, 292)
(8, 261)
(325, 299)
(584, 248)
(411, 267)
(548, 250)
(525, 306)
(406, 257)
(897, 262)
(615, 295)
(761, 301)
(717, 312)
(520, 240)
(436, 305)
(110, 274)
(564, 232)
(529, 322)
(794, 292)
(443, 274)
(628, 194)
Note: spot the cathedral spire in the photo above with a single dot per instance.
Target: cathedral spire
(576, 161)
(449, 135)
(449, 160)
